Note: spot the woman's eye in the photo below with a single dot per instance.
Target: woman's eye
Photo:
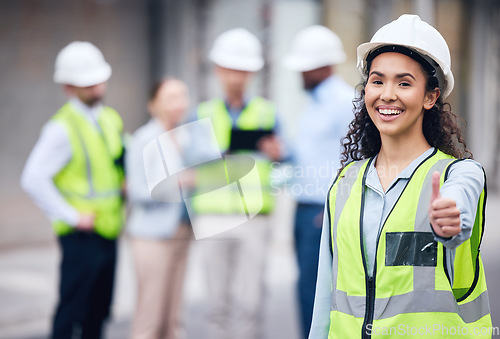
(404, 84)
(376, 82)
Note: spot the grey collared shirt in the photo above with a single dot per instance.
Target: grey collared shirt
(148, 218)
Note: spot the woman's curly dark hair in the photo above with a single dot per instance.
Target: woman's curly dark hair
(440, 126)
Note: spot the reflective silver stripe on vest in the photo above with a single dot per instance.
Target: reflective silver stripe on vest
(421, 220)
(476, 309)
(344, 187)
(424, 297)
(424, 277)
(411, 302)
(92, 191)
(86, 155)
(415, 302)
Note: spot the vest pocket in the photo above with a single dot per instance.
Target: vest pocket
(410, 249)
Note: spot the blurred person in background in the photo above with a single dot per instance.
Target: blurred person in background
(159, 231)
(234, 260)
(315, 155)
(75, 175)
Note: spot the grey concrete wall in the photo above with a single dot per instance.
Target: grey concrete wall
(288, 18)
(483, 87)
(348, 19)
(191, 26)
(32, 33)
(139, 49)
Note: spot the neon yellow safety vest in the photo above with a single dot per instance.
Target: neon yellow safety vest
(91, 181)
(259, 114)
(411, 291)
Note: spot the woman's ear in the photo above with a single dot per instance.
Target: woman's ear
(431, 98)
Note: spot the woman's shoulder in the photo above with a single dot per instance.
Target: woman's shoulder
(147, 132)
(466, 166)
(466, 172)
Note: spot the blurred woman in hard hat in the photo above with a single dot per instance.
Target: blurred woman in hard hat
(404, 221)
(159, 231)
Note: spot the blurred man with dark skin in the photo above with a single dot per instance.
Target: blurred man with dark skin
(234, 259)
(75, 176)
(316, 153)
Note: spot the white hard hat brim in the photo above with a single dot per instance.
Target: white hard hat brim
(237, 63)
(86, 79)
(445, 73)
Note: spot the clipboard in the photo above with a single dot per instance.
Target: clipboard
(247, 139)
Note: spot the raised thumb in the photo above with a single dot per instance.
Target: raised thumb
(435, 186)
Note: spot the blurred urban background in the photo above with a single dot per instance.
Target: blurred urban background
(146, 39)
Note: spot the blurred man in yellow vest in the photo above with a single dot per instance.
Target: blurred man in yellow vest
(75, 174)
(234, 259)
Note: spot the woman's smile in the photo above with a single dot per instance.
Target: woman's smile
(389, 113)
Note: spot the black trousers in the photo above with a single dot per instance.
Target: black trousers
(86, 285)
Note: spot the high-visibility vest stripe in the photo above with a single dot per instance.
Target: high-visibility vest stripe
(413, 302)
(343, 190)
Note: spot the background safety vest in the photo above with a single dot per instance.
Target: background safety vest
(411, 291)
(259, 114)
(92, 180)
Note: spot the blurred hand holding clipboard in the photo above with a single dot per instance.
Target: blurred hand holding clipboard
(247, 139)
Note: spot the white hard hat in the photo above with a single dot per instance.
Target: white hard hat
(81, 64)
(237, 49)
(314, 47)
(411, 32)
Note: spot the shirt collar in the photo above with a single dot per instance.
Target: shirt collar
(323, 88)
(90, 112)
(234, 113)
(373, 180)
(232, 110)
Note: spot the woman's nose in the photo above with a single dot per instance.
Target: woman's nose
(388, 93)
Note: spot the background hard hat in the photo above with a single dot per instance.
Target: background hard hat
(81, 64)
(411, 32)
(314, 47)
(237, 49)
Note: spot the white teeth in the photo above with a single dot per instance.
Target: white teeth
(389, 111)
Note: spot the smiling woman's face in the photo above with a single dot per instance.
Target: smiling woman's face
(395, 95)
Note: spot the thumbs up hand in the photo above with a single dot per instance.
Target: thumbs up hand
(444, 214)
